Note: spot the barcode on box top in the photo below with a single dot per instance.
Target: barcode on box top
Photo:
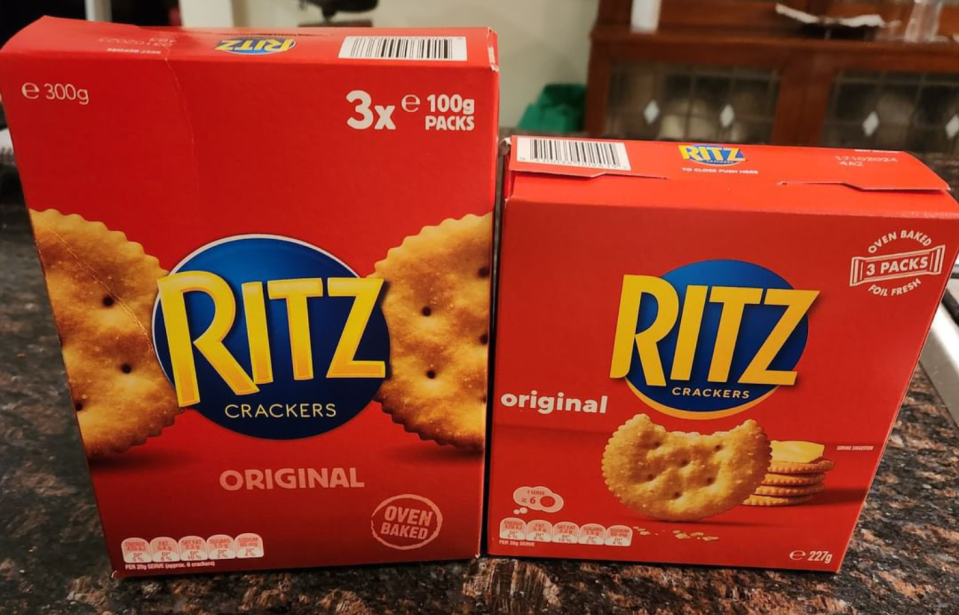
(573, 153)
(449, 48)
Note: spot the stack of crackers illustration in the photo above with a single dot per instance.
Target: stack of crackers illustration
(795, 475)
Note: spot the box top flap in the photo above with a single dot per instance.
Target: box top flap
(868, 170)
(453, 47)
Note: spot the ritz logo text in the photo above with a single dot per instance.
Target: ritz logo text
(270, 336)
(255, 46)
(709, 339)
(712, 155)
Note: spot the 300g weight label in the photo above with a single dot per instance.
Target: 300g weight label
(66, 92)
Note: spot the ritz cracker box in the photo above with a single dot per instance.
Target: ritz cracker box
(701, 349)
(268, 257)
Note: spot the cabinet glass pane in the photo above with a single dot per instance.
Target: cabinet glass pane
(886, 110)
(691, 103)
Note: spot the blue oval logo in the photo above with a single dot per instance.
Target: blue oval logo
(271, 337)
(710, 339)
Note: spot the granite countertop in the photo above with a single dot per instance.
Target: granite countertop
(904, 556)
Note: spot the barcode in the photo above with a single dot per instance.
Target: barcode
(452, 48)
(573, 153)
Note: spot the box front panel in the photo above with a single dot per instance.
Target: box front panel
(619, 328)
(315, 250)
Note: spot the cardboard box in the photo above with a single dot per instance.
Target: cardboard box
(243, 234)
(779, 295)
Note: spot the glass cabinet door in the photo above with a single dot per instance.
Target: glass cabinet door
(692, 103)
(917, 112)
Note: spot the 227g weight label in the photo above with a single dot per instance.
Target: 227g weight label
(820, 557)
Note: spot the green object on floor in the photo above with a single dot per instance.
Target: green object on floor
(559, 108)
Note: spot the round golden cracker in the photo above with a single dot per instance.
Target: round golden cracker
(792, 480)
(789, 491)
(436, 306)
(102, 289)
(678, 476)
(768, 500)
(793, 467)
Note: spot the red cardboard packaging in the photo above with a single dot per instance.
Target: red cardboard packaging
(701, 349)
(240, 233)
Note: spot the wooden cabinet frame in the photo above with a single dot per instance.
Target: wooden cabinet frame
(711, 32)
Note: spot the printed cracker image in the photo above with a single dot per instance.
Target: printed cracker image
(436, 306)
(792, 480)
(794, 457)
(102, 288)
(765, 500)
(796, 473)
(789, 491)
(679, 476)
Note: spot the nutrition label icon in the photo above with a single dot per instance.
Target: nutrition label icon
(538, 498)
(539, 530)
(192, 549)
(165, 549)
(221, 546)
(249, 546)
(512, 528)
(136, 551)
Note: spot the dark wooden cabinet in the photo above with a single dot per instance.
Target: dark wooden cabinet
(731, 70)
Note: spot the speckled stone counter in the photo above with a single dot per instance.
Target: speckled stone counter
(904, 556)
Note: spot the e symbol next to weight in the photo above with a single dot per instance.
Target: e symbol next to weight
(30, 91)
(410, 103)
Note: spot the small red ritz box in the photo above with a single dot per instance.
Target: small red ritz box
(701, 349)
(239, 232)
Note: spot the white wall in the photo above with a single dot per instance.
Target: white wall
(206, 13)
(540, 41)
